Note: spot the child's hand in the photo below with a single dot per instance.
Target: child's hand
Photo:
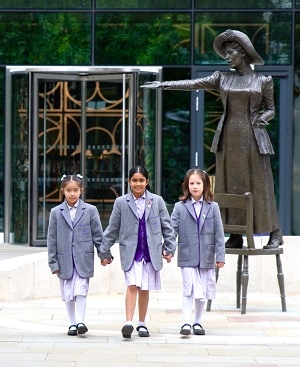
(56, 272)
(219, 265)
(167, 257)
(106, 262)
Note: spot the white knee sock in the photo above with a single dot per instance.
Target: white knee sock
(187, 305)
(80, 307)
(199, 307)
(70, 306)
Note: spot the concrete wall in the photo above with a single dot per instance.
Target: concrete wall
(28, 277)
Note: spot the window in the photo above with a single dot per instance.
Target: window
(269, 32)
(142, 39)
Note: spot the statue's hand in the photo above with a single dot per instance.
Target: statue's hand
(261, 123)
(152, 85)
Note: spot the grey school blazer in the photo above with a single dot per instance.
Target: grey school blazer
(70, 244)
(124, 223)
(204, 247)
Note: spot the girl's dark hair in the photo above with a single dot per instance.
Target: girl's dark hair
(208, 195)
(236, 46)
(67, 178)
(142, 170)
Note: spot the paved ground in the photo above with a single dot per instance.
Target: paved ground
(33, 334)
(12, 251)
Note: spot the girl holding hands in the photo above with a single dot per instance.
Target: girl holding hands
(140, 220)
(197, 221)
(74, 232)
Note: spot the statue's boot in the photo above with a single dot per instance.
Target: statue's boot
(234, 241)
(275, 239)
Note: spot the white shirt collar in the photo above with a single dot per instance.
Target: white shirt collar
(73, 207)
(200, 201)
(141, 197)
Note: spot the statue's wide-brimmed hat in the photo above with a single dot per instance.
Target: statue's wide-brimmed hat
(242, 39)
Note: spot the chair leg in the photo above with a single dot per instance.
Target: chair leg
(239, 281)
(208, 305)
(245, 280)
(280, 278)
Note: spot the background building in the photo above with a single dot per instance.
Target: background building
(70, 73)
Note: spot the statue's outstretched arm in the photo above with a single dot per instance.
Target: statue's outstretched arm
(152, 85)
(210, 82)
(187, 84)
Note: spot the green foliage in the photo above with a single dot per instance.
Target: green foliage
(45, 4)
(45, 39)
(270, 33)
(238, 4)
(142, 4)
(142, 39)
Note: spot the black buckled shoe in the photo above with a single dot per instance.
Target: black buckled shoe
(142, 331)
(185, 329)
(234, 241)
(198, 329)
(81, 328)
(127, 330)
(72, 330)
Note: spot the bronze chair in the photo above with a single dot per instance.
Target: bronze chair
(245, 202)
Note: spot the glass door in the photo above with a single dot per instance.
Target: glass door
(95, 121)
(82, 124)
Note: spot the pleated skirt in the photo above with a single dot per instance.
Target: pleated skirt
(198, 283)
(75, 286)
(143, 275)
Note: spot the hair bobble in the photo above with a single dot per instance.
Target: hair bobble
(79, 175)
(63, 176)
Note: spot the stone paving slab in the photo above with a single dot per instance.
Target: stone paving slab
(33, 334)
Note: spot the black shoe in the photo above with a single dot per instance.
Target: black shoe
(234, 241)
(81, 328)
(275, 240)
(198, 329)
(142, 331)
(127, 331)
(72, 330)
(184, 330)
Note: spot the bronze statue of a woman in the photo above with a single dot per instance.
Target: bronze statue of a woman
(241, 143)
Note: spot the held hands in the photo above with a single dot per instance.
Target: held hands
(219, 265)
(106, 262)
(167, 257)
(152, 85)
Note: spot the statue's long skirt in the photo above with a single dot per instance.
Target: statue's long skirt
(241, 168)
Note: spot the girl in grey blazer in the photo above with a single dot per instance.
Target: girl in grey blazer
(141, 220)
(197, 221)
(74, 230)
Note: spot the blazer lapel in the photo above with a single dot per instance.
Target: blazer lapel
(148, 204)
(131, 204)
(190, 208)
(203, 214)
(66, 214)
(79, 212)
